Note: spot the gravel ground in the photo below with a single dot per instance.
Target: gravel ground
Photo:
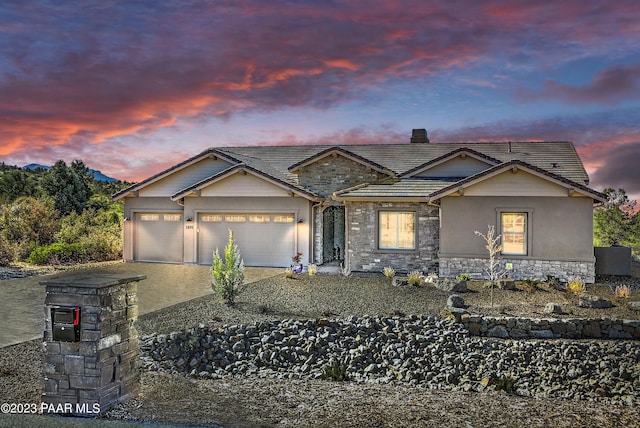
(248, 401)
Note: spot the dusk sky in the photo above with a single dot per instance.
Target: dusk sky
(133, 87)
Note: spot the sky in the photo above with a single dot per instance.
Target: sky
(134, 87)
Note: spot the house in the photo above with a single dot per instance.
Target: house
(412, 206)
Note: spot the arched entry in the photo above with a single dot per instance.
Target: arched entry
(333, 234)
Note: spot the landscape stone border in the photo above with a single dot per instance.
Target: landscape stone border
(550, 328)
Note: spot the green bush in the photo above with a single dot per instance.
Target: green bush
(99, 232)
(6, 252)
(228, 275)
(57, 253)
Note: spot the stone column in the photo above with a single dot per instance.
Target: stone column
(91, 348)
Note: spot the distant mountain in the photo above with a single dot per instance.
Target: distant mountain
(97, 175)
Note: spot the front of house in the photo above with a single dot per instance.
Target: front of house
(412, 206)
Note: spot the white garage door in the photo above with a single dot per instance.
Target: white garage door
(159, 237)
(263, 239)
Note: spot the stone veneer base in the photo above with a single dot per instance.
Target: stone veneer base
(522, 268)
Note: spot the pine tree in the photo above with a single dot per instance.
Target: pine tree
(228, 275)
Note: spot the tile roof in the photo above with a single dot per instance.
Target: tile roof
(559, 158)
(406, 189)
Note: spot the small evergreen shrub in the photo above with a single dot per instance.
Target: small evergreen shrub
(228, 275)
(505, 383)
(464, 277)
(57, 253)
(335, 371)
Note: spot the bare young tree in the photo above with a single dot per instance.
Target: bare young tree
(493, 267)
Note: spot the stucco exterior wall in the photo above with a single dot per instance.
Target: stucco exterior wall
(559, 228)
(362, 246)
(560, 235)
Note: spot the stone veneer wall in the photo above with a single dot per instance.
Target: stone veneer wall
(102, 368)
(331, 174)
(552, 328)
(522, 268)
(362, 251)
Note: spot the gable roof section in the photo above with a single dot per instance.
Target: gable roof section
(213, 153)
(239, 169)
(498, 169)
(340, 151)
(459, 152)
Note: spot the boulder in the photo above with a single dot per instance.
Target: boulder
(499, 331)
(451, 285)
(398, 281)
(456, 314)
(506, 284)
(595, 302)
(553, 308)
(634, 306)
(455, 301)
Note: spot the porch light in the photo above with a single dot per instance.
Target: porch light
(300, 221)
(189, 219)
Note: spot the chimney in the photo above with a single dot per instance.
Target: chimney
(419, 136)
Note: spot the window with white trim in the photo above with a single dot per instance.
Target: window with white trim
(396, 230)
(514, 233)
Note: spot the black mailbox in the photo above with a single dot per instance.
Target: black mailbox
(66, 324)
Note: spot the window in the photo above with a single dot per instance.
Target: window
(235, 218)
(149, 217)
(211, 218)
(257, 218)
(514, 233)
(285, 218)
(396, 230)
(172, 217)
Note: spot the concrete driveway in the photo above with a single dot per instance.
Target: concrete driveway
(22, 300)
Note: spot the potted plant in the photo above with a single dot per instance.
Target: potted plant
(296, 267)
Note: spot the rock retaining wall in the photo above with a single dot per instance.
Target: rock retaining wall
(416, 350)
(551, 328)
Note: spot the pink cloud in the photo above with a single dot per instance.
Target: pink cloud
(609, 87)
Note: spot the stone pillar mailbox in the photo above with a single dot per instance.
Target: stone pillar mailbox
(91, 360)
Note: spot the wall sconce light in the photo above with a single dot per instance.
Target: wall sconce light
(127, 219)
(189, 219)
(300, 221)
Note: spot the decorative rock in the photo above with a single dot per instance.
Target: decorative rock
(456, 314)
(506, 284)
(553, 308)
(398, 281)
(595, 302)
(634, 306)
(455, 301)
(498, 331)
(451, 285)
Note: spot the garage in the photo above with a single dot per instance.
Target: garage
(264, 239)
(158, 237)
